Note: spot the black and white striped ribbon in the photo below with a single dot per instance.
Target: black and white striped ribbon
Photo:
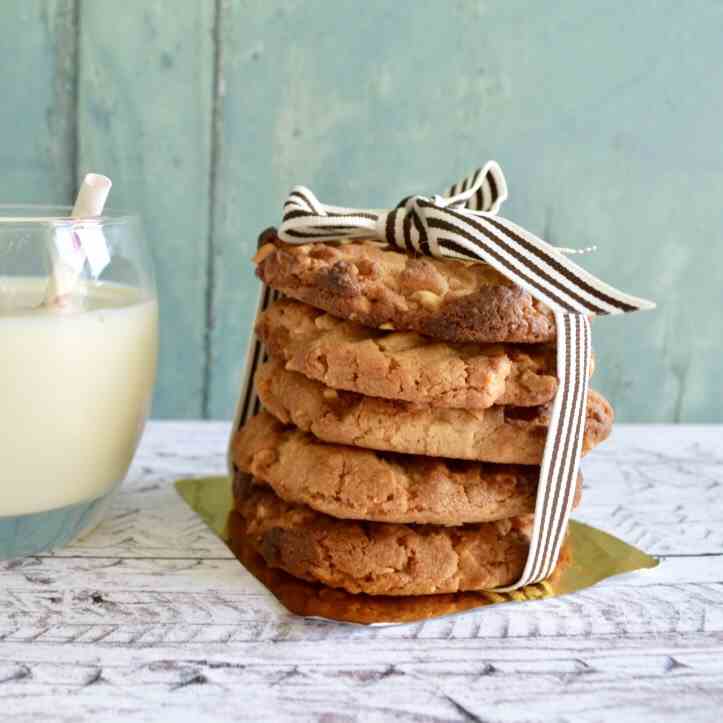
(249, 404)
(463, 224)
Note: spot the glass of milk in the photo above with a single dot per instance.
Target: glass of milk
(75, 383)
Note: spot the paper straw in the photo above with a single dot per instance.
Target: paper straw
(92, 195)
(89, 203)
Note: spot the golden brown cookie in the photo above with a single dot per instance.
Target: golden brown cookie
(306, 598)
(379, 558)
(514, 435)
(406, 366)
(361, 484)
(457, 301)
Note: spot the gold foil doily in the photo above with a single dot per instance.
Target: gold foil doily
(589, 556)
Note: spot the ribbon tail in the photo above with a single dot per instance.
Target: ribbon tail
(555, 261)
(528, 261)
(557, 485)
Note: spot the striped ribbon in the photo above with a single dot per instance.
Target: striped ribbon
(463, 224)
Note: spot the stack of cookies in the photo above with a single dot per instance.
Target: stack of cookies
(405, 411)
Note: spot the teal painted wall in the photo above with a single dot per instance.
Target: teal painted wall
(606, 117)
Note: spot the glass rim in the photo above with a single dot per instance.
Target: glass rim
(57, 214)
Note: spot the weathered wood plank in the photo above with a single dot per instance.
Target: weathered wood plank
(179, 610)
(216, 570)
(603, 135)
(37, 112)
(145, 97)
(674, 678)
(243, 201)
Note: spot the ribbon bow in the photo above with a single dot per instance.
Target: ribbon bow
(463, 224)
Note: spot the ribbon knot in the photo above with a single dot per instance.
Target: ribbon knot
(307, 220)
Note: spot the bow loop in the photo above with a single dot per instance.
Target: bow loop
(302, 200)
(485, 190)
(307, 220)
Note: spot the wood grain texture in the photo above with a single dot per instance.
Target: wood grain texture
(151, 618)
(37, 112)
(145, 99)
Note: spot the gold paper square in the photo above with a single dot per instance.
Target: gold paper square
(590, 555)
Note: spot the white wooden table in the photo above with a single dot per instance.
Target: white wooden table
(151, 618)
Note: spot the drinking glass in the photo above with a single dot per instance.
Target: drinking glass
(76, 377)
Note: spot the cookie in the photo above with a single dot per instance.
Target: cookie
(361, 484)
(406, 366)
(457, 301)
(379, 558)
(311, 599)
(514, 435)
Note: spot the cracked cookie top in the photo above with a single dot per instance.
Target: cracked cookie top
(499, 434)
(378, 558)
(458, 301)
(406, 365)
(357, 483)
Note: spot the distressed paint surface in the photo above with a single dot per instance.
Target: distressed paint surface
(145, 98)
(151, 618)
(37, 110)
(604, 116)
(606, 138)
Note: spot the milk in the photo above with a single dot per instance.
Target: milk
(74, 392)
